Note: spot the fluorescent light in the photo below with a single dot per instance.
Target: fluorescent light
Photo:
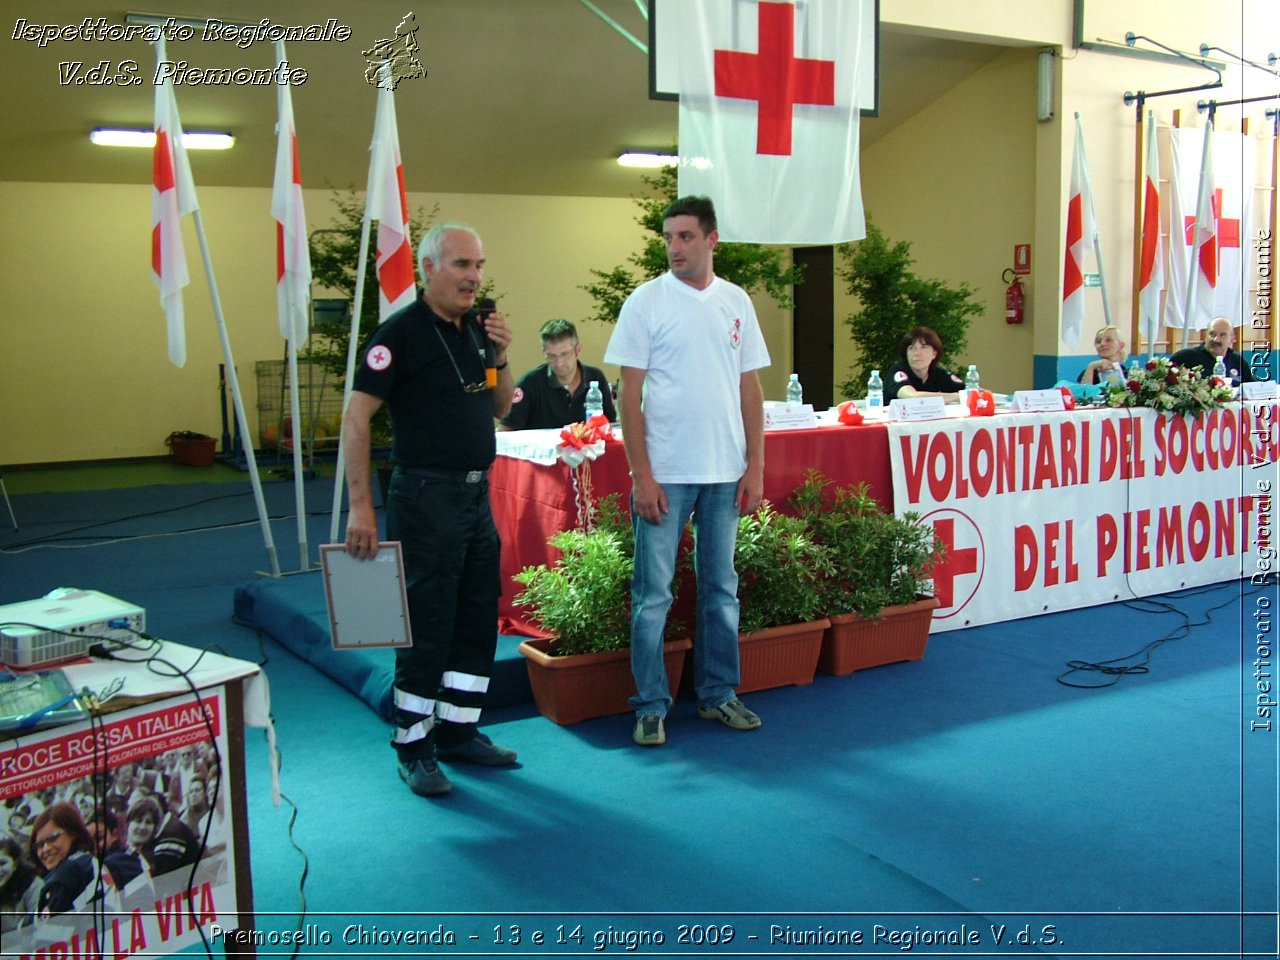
(192, 140)
(649, 161)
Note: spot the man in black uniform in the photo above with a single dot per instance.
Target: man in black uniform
(554, 393)
(427, 363)
(1218, 340)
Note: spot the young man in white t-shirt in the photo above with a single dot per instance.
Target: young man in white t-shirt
(692, 412)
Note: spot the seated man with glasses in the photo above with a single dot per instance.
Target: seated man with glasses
(554, 393)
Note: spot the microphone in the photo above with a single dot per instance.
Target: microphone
(481, 310)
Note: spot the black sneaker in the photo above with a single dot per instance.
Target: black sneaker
(424, 777)
(479, 749)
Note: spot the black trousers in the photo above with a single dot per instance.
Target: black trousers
(452, 579)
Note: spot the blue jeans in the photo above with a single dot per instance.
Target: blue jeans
(714, 509)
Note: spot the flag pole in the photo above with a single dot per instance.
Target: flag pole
(1139, 192)
(352, 346)
(295, 412)
(236, 398)
(1097, 243)
(284, 107)
(1193, 269)
(353, 341)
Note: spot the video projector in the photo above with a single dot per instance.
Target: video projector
(63, 624)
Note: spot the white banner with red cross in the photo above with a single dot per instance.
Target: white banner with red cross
(1053, 511)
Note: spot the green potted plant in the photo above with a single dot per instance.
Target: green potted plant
(876, 592)
(583, 601)
(781, 570)
(893, 300)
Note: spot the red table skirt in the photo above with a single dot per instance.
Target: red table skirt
(531, 501)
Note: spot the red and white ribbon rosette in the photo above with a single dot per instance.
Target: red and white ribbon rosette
(584, 441)
(580, 443)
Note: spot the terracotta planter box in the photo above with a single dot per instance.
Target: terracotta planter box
(192, 451)
(852, 643)
(586, 685)
(780, 656)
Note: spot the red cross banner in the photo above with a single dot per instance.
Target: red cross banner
(1226, 224)
(1082, 235)
(385, 202)
(769, 117)
(1151, 264)
(173, 195)
(1044, 512)
(293, 257)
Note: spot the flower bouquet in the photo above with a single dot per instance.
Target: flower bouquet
(1164, 386)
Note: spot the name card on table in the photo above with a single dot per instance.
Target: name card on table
(1038, 401)
(790, 416)
(916, 409)
(1258, 390)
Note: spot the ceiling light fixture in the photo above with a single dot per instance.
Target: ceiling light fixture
(648, 161)
(191, 139)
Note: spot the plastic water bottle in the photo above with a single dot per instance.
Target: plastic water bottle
(1220, 370)
(875, 391)
(971, 380)
(795, 393)
(1135, 370)
(595, 402)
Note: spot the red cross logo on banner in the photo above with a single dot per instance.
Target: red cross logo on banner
(775, 78)
(959, 561)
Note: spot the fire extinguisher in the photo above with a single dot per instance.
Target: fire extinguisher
(1015, 299)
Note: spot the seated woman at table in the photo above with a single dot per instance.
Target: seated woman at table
(919, 374)
(1111, 356)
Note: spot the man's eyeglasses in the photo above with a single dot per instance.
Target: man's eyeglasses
(562, 355)
(49, 838)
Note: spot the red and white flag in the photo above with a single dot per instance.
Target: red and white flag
(293, 257)
(769, 108)
(1151, 264)
(1082, 233)
(385, 202)
(173, 195)
(1209, 219)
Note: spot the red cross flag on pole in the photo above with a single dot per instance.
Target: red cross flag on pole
(769, 117)
(385, 202)
(1208, 215)
(1082, 234)
(293, 258)
(173, 195)
(1151, 263)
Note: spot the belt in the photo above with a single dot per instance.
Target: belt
(435, 473)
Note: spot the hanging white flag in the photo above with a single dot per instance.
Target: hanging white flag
(293, 257)
(1232, 170)
(173, 195)
(1082, 233)
(1151, 264)
(769, 117)
(385, 202)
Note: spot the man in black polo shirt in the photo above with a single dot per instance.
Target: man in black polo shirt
(554, 393)
(427, 364)
(1218, 342)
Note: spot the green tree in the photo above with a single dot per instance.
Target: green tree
(335, 258)
(749, 265)
(892, 300)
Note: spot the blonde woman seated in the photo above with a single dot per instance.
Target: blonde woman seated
(1111, 356)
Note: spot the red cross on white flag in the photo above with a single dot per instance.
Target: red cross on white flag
(293, 257)
(769, 117)
(173, 195)
(1219, 240)
(385, 202)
